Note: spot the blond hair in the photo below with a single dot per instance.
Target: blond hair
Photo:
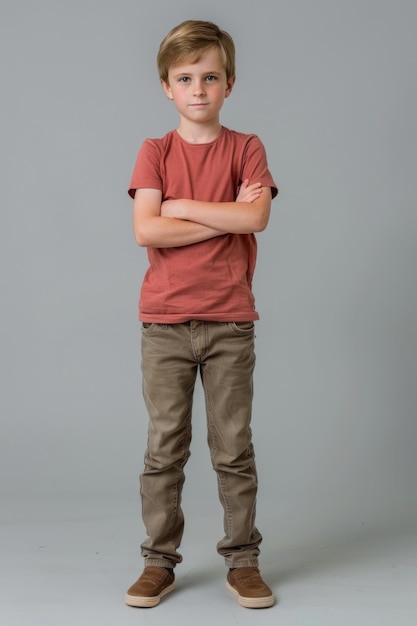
(188, 41)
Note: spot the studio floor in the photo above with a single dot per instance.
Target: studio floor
(70, 565)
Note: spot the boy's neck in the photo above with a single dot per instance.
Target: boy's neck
(199, 133)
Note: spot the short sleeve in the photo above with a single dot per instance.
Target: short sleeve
(146, 172)
(255, 165)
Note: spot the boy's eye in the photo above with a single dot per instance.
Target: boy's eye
(184, 79)
(211, 78)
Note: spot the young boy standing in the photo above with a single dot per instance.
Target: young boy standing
(200, 193)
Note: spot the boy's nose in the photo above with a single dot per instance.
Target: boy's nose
(199, 88)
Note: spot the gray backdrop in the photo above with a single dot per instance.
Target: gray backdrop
(330, 88)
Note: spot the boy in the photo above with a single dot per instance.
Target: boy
(200, 193)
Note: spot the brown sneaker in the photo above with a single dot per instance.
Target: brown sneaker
(251, 591)
(150, 587)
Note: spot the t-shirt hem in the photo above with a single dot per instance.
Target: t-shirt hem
(215, 317)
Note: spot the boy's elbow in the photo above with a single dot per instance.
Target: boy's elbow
(261, 215)
(261, 221)
(261, 225)
(140, 237)
(143, 230)
(141, 242)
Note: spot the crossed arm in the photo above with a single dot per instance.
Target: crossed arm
(173, 223)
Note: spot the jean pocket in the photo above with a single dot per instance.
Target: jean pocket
(149, 327)
(243, 328)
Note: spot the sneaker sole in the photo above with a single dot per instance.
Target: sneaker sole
(144, 602)
(251, 603)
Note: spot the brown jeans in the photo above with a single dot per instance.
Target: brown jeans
(172, 354)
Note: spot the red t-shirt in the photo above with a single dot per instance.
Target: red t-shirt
(210, 280)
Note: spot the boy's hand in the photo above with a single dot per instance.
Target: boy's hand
(249, 193)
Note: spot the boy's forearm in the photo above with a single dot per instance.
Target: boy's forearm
(231, 217)
(166, 232)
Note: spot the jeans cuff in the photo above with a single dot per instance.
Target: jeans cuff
(159, 563)
(231, 563)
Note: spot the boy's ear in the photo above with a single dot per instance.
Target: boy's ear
(230, 83)
(167, 89)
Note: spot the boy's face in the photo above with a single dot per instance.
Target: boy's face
(199, 89)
